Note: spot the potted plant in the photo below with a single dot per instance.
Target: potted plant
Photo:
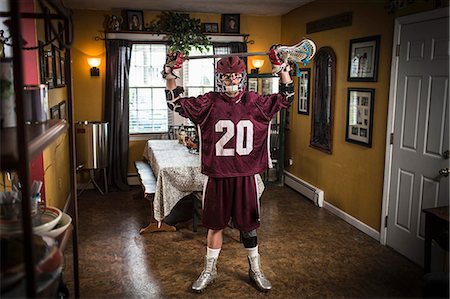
(183, 32)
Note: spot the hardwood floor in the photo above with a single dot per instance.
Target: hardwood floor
(306, 252)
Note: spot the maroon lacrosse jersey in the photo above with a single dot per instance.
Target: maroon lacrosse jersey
(233, 131)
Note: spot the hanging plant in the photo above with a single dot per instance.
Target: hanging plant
(182, 32)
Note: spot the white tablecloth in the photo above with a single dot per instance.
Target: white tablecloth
(177, 174)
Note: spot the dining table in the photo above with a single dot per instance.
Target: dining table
(178, 173)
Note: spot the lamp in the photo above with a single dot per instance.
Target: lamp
(257, 63)
(94, 63)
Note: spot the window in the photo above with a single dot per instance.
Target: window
(198, 74)
(147, 99)
(148, 108)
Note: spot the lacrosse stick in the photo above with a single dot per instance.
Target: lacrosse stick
(301, 52)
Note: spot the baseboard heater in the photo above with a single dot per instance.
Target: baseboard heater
(306, 189)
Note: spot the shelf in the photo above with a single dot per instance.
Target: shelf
(39, 137)
(147, 36)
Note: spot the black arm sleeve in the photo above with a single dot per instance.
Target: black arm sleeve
(288, 90)
(173, 99)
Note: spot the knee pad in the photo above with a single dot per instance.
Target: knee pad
(250, 239)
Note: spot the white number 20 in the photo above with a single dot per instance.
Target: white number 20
(242, 148)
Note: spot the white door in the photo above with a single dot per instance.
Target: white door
(420, 132)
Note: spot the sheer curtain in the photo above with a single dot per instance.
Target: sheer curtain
(116, 110)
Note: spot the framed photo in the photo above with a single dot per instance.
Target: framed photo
(363, 59)
(230, 23)
(62, 110)
(304, 76)
(210, 27)
(50, 68)
(135, 20)
(63, 69)
(360, 105)
(54, 112)
(56, 66)
(253, 84)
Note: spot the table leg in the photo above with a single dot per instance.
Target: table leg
(157, 227)
(427, 244)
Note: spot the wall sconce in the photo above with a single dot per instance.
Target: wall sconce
(257, 63)
(94, 63)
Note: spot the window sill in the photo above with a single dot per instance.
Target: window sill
(148, 136)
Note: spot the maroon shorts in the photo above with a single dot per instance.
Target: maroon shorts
(234, 198)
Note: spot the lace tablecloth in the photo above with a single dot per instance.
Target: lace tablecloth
(177, 174)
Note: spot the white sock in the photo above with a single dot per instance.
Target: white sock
(252, 252)
(211, 252)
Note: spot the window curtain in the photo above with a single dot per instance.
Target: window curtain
(116, 111)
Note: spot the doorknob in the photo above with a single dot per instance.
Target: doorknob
(445, 154)
(444, 171)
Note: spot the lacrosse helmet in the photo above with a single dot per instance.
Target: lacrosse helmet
(231, 75)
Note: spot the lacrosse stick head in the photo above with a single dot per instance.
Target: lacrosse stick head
(301, 52)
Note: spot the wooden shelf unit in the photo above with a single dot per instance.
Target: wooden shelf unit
(21, 144)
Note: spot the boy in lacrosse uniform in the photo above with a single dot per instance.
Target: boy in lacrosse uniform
(233, 126)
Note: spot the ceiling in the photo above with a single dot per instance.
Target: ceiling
(247, 7)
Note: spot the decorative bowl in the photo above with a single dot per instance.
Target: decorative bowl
(60, 227)
(47, 220)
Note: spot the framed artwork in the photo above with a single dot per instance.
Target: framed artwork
(253, 84)
(363, 59)
(50, 68)
(54, 112)
(63, 69)
(304, 77)
(360, 105)
(210, 27)
(56, 66)
(135, 20)
(230, 23)
(62, 110)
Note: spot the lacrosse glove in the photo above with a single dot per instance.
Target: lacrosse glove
(174, 61)
(279, 64)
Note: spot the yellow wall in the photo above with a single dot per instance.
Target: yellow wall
(56, 155)
(89, 91)
(352, 177)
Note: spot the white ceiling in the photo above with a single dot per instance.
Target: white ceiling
(247, 7)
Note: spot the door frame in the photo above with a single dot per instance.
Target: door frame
(399, 22)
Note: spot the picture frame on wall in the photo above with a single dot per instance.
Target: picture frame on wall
(62, 110)
(56, 66)
(304, 78)
(360, 106)
(231, 23)
(253, 84)
(54, 112)
(50, 68)
(363, 59)
(135, 20)
(63, 69)
(210, 27)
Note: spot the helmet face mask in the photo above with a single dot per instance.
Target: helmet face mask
(231, 75)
